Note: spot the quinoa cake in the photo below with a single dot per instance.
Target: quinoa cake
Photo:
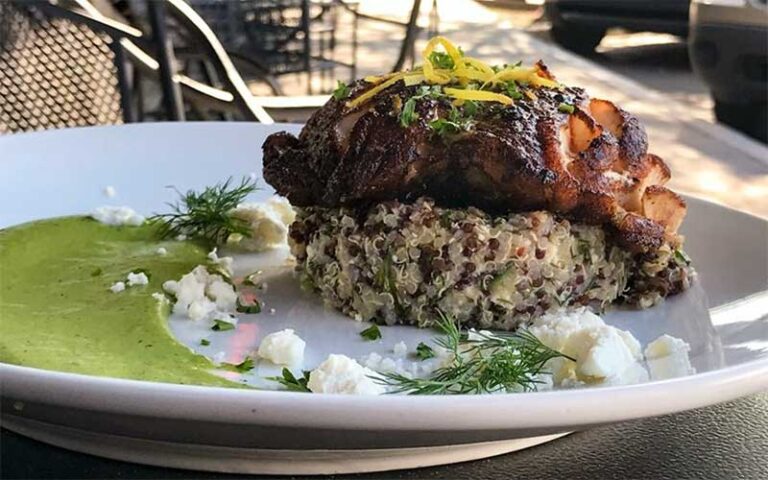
(492, 193)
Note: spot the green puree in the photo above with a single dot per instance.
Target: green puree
(57, 312)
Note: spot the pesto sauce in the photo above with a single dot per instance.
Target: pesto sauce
(57, 312)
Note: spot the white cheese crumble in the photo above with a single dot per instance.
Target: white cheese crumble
(268, 223)
(109, 191)
(203, 296)
(117, 216)
(162, 251)
(135, 279)
(667, 357)
(400, 349)
(341, 374)
(159, 297)
(224, 262)
(603, 353)
(117, 287)
(283, 348)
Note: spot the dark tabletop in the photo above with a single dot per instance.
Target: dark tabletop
(727, 441)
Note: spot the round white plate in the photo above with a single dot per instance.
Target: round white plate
(724, 318)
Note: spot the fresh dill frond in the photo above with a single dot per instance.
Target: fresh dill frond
(206, 215)
(290, 382)
(482, 363)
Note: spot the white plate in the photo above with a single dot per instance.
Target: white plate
(64, 172)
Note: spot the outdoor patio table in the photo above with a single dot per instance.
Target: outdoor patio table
(725, 441)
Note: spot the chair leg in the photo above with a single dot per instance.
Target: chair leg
(171, 92)
(124, 85)
(411, 33)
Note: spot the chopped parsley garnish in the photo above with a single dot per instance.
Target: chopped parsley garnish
(249, 279)
(455, 123)
(342, 90)
(513, 91)
(222, 325)
(242, 367)
(205, 215)
(216, 269)
(441, 60)
(371, 333)
(205, 342)
(250, 308)
(289, 381)
(424, 351)
(565, 108)
(408, 115)
(682, 257)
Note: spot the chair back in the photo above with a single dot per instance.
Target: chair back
(53, 73)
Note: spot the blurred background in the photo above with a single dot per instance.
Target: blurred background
(89, 62)
(694, 72)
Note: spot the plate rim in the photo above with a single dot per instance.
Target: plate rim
(279, 408)
(540, 409)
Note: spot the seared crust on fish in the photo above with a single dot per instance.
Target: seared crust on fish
(590, 164)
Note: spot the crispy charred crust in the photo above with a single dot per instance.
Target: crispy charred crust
(590, 166)
(638, 234)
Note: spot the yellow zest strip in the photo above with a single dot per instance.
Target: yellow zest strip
(465, 69)
(480, 66)
(538, 81)
(518, 74)
(405, 76)
(429, 70)
(411, 80)
(479, 95)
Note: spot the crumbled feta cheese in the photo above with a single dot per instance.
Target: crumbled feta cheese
(117, 287)
(272, 311)
(181, 237)
(283, 348)
(117, 216)
(162, 251)
(137, 279)
(203, 296)
(109, 191)
(341, 374)
(200, 309)
(268, 222)
(224, 262)
(603, 353)
(400, 349)
(667, 357)
(159, 297)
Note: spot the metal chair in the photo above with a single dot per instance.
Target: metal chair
(285, 36)
(54, 73)
(66, 64)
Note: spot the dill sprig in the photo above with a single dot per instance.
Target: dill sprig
(485, 363)
(206, 215)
